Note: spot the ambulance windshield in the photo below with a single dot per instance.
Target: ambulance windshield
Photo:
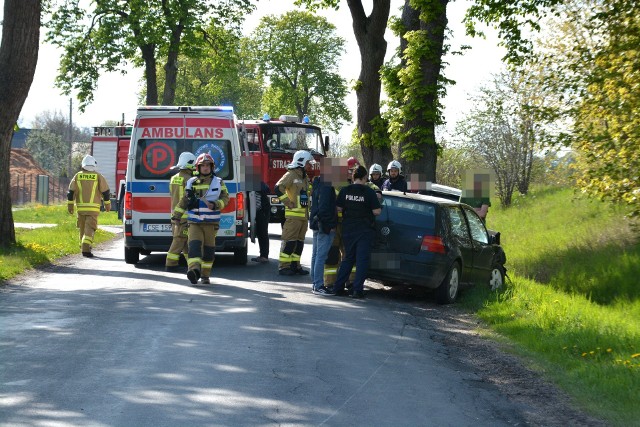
(155, 158)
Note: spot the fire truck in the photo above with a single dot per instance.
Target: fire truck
(110, 147)
(270, 145)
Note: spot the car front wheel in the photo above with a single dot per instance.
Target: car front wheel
(496, 281)
(448, 290)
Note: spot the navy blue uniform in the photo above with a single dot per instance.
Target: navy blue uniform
(358, 228)
(399, 184)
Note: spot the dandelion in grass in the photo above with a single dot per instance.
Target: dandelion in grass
(609, 350)
(633, 356)
(584, 354)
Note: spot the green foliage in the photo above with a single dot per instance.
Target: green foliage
(573, 300)
(226, 75)
(414, 106)
(607, 124)
(379, 136)
(512, 19)
(112, 34)
(299, 53)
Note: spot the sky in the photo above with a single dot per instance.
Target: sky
(116, 94)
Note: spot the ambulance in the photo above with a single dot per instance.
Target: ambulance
(159, 135)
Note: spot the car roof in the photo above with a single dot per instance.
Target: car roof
(420, 197)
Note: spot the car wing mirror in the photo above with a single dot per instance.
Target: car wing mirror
(494, 237)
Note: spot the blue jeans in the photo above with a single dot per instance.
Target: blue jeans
(357, 247)
(321, 246)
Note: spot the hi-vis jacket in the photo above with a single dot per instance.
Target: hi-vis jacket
(289, 187)
(198, 190)
(176, 189)
(86, 189)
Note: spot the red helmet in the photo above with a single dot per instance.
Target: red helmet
(205, 158)
(351, 162)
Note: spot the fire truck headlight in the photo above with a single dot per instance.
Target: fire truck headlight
(275, 201)
(274, 209)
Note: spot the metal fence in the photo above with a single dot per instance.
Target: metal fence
(43, 189)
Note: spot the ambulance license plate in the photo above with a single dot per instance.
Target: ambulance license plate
(157, 227)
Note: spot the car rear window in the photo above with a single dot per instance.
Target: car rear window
(410, 212)
(155, 157)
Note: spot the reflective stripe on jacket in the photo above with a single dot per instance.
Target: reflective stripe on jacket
(87, 188)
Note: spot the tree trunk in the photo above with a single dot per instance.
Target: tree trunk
(18, 59)
(150, 72)
(171, 66)
(424, 163)
(369, 33)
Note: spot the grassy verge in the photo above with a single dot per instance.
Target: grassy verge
(43, 245)
(57, 214)
(574, 300)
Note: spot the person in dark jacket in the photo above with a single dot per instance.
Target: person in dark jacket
(323, 220)
(359, 206)
(262, 223)
(396, 181)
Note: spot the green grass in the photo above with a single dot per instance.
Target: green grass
(43, 245)
(573, 304)
(57, 214)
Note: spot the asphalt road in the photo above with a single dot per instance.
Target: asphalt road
(97, 342)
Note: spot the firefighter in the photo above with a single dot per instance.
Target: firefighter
(292, 190)
(204, 197)
(375, 175)
(396, 181)
(85, 191)
(186, 166)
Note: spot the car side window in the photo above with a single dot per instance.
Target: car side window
(478, 231)
(458, 224)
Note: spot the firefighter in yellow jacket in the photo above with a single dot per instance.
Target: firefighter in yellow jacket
(186, 164)
(204, 197)
(292, 189)
(86, 190)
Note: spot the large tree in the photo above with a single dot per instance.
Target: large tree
(416, 85)
(113, 34)
(18, 59)
(369, 33)
(504, 130)
(299, 53)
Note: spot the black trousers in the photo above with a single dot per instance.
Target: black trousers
(262, 232)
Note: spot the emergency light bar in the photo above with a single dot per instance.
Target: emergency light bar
(183, 109)
(285, 118)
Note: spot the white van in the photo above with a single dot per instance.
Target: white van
(159, 135)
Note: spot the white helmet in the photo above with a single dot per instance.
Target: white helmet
(394, 164)
(300, 159)
(89, 163)
(375, 168)
(186, 161)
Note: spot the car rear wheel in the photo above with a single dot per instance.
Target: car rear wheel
(240, 256)
(448, 290)
(131, 255)
(496, 281)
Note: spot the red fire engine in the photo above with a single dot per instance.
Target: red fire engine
(110, 148)
(271, 145)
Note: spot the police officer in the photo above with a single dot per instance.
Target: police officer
(359, 205)
(85, 191)
(292, 191)
(186, 166)
(205, 196)
(396, 181)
